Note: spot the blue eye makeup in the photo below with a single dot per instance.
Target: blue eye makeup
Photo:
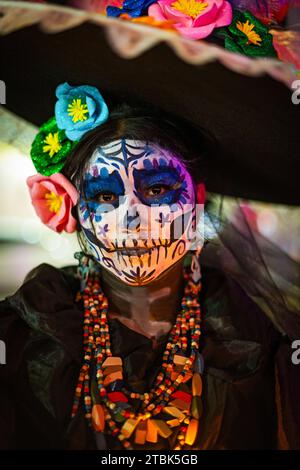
(160, 178)
(166, 180)
(104, 183)
(103, 186)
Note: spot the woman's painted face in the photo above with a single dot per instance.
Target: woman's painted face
(138, 211)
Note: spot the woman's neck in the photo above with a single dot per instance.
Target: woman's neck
(150, 310)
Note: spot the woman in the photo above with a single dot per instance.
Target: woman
(150, 320)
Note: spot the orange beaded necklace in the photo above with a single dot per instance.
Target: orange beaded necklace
(167, 407)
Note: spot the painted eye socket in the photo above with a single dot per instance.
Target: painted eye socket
(106, 197)
(156, 190)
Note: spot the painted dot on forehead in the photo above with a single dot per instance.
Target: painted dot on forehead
(147, 164)
(95, 171)
(162, 162)
(104, 172)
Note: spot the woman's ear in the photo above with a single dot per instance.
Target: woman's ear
(200, 193)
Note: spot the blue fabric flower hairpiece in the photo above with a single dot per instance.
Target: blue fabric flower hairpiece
(78, 110)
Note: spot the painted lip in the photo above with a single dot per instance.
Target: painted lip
(135, 251)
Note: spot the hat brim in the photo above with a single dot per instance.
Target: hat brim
(253, 119)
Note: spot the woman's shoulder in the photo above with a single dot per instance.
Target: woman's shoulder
(45, 300)
(41, 326)
(47, 273)
(224, 296)
(234, 327)
(45, 280)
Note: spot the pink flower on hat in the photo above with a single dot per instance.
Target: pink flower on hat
(53, 198)
(194, 19)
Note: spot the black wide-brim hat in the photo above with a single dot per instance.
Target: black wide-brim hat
(246, 104)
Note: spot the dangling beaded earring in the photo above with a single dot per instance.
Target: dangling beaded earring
(195, 266)
(84, 269)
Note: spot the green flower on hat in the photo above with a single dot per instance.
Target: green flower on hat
(50, 148)
(247, 35)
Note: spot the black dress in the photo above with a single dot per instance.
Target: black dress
(251, 388)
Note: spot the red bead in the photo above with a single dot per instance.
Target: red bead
(182, 396)
(117, 396)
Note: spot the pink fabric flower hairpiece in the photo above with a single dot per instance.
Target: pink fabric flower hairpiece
(53, 198)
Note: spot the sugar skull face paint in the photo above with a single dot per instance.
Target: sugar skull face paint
(137, 211)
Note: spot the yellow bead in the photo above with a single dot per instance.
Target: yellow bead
(112, 361)
(180, 404)
(98, 418)
(191, 432)
(187, 377)
(162, 428)
(197, 384)
(173, 423)
(128, 427)
(197, 407)
(151, 435)
(141, 433)
(111, 369)
(173, 411)
(179, 360)
(112, 378)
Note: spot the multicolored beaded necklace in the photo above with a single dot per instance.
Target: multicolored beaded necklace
(172, 404)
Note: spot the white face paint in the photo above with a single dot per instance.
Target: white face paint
(138, 211)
